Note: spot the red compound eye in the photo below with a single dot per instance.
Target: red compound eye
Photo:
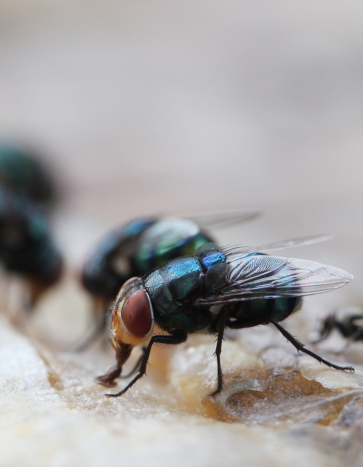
(137, 315)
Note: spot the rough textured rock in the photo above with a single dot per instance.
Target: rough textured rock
(276, 408)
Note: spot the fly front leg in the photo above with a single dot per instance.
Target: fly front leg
(220, 324)
(177, 338)
(115, 372)
(123, 352)
(136, 366)
(108, 378)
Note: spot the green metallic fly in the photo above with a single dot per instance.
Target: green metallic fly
(27, 248)
(23, 174)
(214, 289)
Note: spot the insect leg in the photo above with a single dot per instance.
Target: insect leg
(136, 366)
(108, 378)
(177, 338)
(300, 347)
(123, 352)
(221, 325)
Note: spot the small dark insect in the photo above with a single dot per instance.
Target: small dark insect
(209, 291)
(26, 245)
(140, 246)
(22, 173)
(348, 323)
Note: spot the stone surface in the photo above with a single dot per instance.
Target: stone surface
(276, 408)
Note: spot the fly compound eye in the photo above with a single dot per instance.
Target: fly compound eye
(137, 315)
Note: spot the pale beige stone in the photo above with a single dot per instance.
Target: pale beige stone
(295, 411)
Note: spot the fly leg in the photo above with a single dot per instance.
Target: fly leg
(177, 338)
(108, 378)
(221, 324)
(300, 347)
(122, 354)
(136, 366)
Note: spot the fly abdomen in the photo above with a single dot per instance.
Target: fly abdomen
(249, 313)
(284, 307)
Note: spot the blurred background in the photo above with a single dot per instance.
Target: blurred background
(183, 107)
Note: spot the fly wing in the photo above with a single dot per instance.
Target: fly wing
(256, 276)
(218, 219)
(290, 243)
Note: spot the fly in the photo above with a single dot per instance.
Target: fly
(25, 175)
(26, 245)
(250, 287)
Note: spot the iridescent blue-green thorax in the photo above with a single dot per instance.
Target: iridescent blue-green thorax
(174, 286)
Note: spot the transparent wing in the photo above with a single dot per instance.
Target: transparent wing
(256, 276)
(290, 243)
(218, 219)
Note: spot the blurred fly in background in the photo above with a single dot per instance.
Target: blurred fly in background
(348, 322)
(27, 248)
(23, 174)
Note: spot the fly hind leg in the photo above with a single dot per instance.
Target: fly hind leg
(300, 347)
